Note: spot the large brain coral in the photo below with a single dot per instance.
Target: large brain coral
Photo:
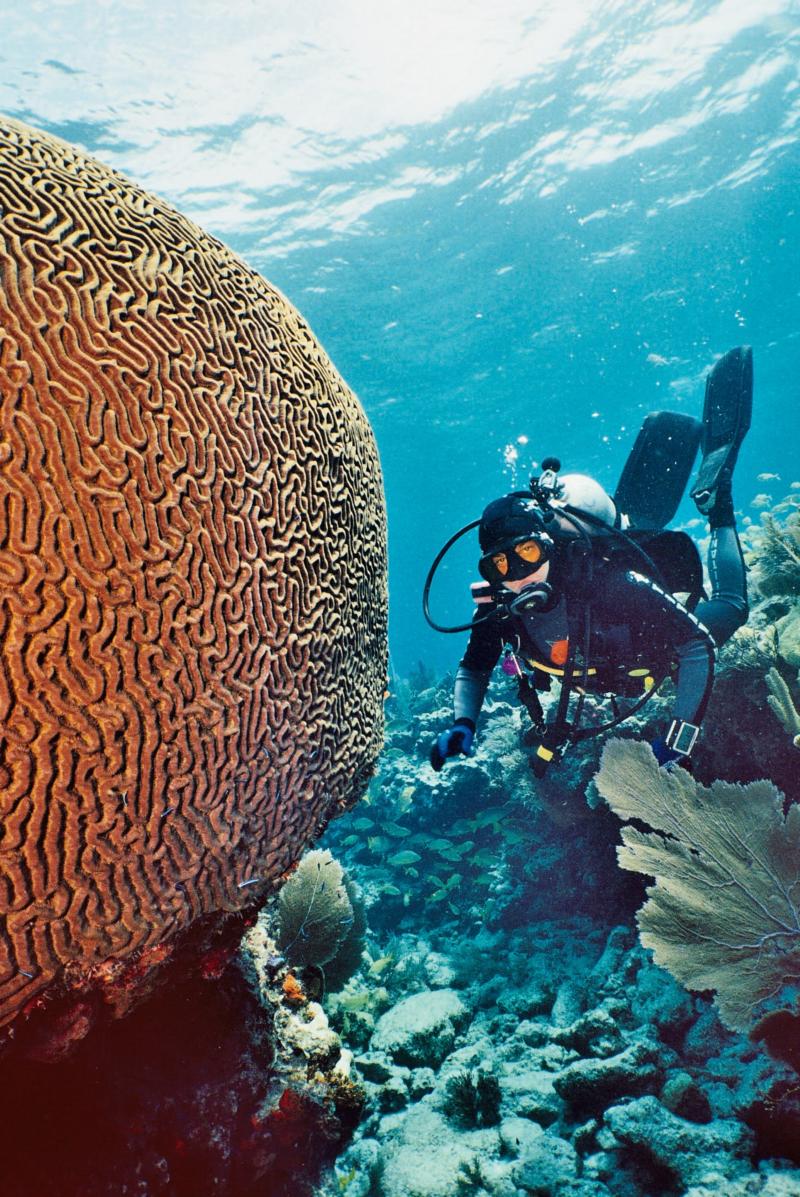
(192, 575)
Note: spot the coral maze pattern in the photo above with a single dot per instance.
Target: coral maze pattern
(192, 575)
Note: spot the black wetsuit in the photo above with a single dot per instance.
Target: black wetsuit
(634, 624)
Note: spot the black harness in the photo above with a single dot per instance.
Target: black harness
(673, 558)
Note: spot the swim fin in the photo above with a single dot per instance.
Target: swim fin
(727, 410)
(654, 477)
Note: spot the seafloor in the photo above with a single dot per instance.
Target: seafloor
(512, 1034)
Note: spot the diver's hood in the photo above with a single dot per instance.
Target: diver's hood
(515, 514)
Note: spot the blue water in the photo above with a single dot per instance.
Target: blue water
(516, 229)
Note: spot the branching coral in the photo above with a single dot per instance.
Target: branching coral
(781, 702)
(724, 912)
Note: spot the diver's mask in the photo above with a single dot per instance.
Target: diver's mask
(512, 560)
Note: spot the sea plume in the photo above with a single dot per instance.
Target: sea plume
(724, 911)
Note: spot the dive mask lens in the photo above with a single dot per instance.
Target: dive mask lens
(514, 560)
(530, 551)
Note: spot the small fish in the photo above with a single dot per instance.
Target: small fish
(450, 854)
(768, 477)
(395, 830)
(655, 359)
(378, 966)
(406, 799)
(378, 843)
(761, 501)
(492, 816)
(404, 858)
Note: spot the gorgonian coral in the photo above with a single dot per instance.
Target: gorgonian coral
(321, 917)
(781, 702)
(724, 911)
(777, 552)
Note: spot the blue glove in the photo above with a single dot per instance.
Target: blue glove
(667, 757)
(458, 739)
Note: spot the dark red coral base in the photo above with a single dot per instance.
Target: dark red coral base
(177, 1100)
(50, 1026)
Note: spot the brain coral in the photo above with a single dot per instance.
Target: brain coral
(192, 575)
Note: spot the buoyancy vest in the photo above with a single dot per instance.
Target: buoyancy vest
(540, 640)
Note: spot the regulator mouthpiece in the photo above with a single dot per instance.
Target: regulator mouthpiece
(531, 598)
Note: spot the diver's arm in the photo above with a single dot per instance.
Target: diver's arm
(693, 644)
(469, 693)
(695, 679)
(475, 669)
(472, 678)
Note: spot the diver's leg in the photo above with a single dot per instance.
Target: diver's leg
(726, 609)
(727, 410)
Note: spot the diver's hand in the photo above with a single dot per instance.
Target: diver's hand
(667, 757)
(457, 739)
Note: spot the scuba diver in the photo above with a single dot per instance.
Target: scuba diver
(583, 588)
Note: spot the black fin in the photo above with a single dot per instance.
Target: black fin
(654, 478)
(727, 411)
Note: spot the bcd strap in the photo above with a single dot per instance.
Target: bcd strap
(530, 700)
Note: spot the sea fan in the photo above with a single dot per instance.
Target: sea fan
(724, 912)
(347, 959)
(315, 913)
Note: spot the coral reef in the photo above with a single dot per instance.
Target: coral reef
(192, 581)
(194, 1093)
(502, 943)
(319, 921)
